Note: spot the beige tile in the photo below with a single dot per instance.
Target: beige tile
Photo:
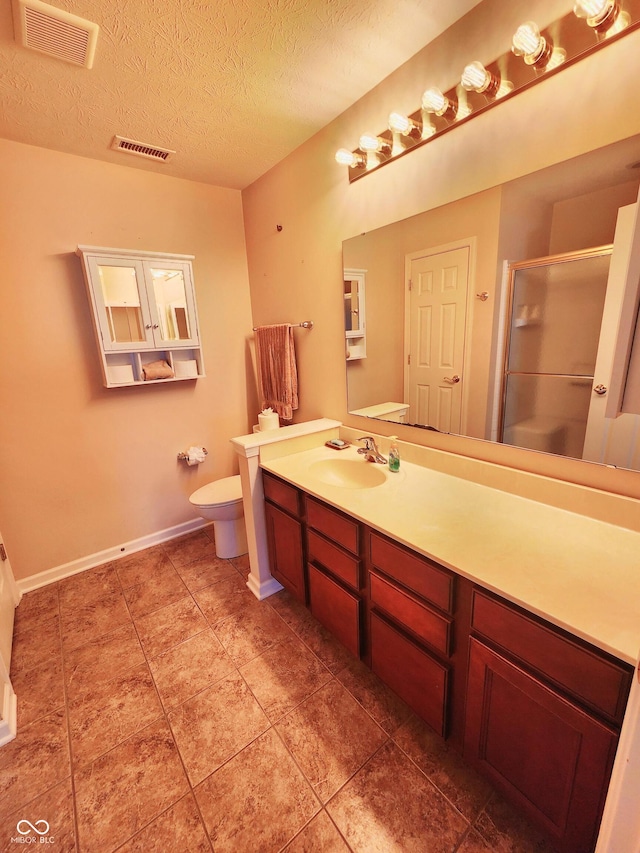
(215, 724)
(290, 610)
(257, 801)
(241, 565)
(189, 667)
(460, 784)
(112, 712)
(35, 607)
(55, 807)
(35, 761)
(391, 807)
(284, 676)
(224, 598)
(330, 736)
(165, 587)
(127, 788)
(178, 829)
(249, 633)
(188, 548)
(319, 836)
(88, 586)
(100, 660)
(205, 571)
(507, 831)
(86, 622)
(32, 647)
(170, 625)
(386, 708)
(39, 690)
(142, 566)
(332, 653)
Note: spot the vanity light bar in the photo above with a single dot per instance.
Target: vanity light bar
(533, 56)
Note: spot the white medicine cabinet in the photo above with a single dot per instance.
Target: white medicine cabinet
(144, 313)
(354, 314)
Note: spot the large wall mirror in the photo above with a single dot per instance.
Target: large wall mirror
(487, 317)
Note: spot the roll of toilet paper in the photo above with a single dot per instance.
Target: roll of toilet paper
(268, 419)
(196, 455)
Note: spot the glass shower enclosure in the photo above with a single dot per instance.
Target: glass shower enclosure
(555, 315)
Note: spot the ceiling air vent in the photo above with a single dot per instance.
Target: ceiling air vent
(46, 29)
(141, 149)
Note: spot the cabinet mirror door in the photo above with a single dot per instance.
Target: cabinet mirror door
(171, 302)
(122, 310)
(353, 298)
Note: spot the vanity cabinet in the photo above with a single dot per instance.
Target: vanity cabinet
(543, 715)
(283, 511)
(144, 311)
(531, 707)
(334, 568)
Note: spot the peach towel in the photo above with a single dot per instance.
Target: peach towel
(277, 369)
(157, 370)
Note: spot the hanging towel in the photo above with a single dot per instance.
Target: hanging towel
(277, 369)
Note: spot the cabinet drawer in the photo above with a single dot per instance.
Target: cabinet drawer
(341, 564)
(588, 675)
(345, 531)
(419, 574)
(282, 494)
(426, 624)
(336, 608)
(411, 672)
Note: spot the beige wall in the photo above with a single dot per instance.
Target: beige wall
(84, 468)
(296, 273)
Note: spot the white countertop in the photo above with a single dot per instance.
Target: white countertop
(579, 573)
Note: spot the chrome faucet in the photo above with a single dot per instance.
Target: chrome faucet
(370, 450)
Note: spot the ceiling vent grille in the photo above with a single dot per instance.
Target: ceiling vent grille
(46, 29)
(141, 149)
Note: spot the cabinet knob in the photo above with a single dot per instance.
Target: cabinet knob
(147, 325)
(155, 326)
(601, 390)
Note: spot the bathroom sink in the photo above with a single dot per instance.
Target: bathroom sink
(348, 473)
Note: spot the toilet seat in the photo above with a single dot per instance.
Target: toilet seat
(219, 493)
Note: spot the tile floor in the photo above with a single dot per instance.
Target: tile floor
(161, 707)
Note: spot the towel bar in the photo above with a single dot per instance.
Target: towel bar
(306, 324)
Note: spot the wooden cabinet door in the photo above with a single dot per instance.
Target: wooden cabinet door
(336, 608)
(286, 555)
(544, 753)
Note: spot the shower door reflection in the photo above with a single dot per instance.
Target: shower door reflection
(555, 316)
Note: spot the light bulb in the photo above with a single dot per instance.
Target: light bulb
(476, 78)
(528, 43)
(599, 14)
(399, 123)
(433, 101)
(347, 158)
(377, 144)
(590, 8)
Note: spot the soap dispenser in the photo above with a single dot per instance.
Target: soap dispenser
(394, 454)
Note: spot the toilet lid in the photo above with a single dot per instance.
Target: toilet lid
(220, 492)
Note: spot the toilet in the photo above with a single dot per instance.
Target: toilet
(221, 502)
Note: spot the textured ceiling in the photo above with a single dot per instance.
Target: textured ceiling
(232, 86)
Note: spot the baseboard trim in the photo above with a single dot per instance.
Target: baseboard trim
(109, 554)
(263, 590)
(9, 718)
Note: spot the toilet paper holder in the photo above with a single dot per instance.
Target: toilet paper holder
(184, 456)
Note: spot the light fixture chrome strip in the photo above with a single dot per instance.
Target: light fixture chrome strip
(533, 57)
